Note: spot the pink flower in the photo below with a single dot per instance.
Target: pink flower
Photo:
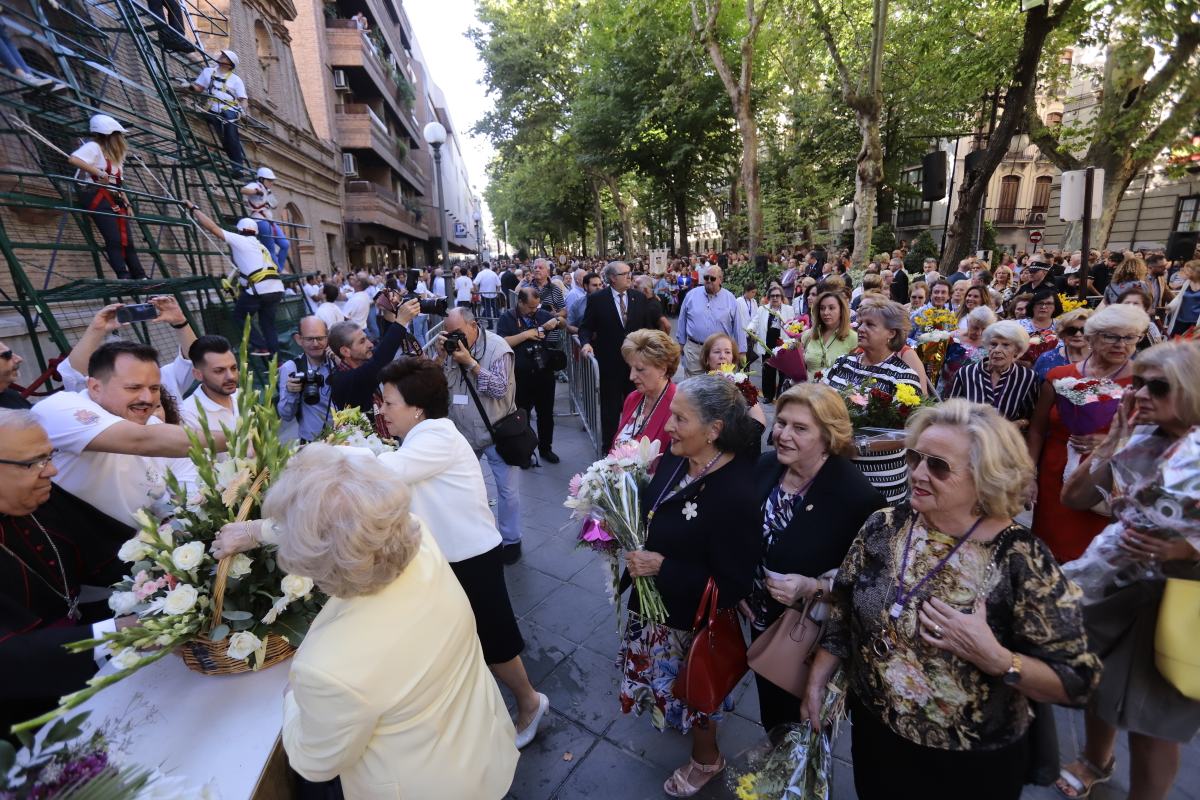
(575, 483)
(624, 451)
(593, 532)
(858, 400)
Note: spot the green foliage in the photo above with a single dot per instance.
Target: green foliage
(989, 238)
(737, 276)
(883, 239)
(923, 247)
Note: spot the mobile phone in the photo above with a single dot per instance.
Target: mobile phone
(138, 312)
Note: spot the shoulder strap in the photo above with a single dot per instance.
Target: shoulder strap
(478, 402)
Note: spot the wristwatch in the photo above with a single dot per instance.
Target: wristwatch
(1012, 676)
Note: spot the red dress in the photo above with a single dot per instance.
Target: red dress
(1067, 531)
(653, 427)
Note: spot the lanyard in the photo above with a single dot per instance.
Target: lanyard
(668, 492)
(902, 596)
(641, 407)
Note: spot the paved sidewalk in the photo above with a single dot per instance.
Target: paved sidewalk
(586, 747)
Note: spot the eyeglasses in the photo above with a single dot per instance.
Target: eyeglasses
(621, 274)
(313, 339)
(34, 463)
(1112, 338)
(1072, 331)
(710, 278)
(939, 467)
(7, 355)
(1158, 387)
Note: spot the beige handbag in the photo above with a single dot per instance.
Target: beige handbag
(784, 651)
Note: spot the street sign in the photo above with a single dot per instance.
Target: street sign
(1035, 237)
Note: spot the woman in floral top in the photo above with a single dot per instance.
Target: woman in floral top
(950, 618)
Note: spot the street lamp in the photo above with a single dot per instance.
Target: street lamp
(435, 137)
(475, 215)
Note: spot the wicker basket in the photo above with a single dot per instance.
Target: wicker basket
(207, 657)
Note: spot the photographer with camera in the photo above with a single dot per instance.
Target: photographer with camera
(357, 360)
(479, 370)
(526, 330)
(306, 391)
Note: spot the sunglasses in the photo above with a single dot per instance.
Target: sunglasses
(7, 355)
(1158, 387)
(1072, 331)
(709, 278)
(939, 468)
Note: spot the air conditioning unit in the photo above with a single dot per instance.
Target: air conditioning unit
(340, 82)
(349, 165)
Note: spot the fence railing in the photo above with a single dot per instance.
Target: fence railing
(583, 381)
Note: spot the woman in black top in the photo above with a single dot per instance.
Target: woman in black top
(697, 509)
(812, 502)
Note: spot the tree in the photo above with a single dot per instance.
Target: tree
(1141, 109)
(739, 90)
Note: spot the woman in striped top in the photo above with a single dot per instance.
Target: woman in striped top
(999, 381)
(883, 327)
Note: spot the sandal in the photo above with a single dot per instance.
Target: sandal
(680, 783)
(1074, 786)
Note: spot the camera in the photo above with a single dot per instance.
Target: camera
(311, 382)
(435, 306)
(411, 277)
(547, 307)
(454, 340)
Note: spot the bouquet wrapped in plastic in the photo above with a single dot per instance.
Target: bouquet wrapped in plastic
(1156, 492)
(1085, 406)
(788, 356)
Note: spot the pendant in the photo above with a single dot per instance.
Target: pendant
(896, 610)
(73, 612)
(882, 645)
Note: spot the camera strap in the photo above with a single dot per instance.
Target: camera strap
(478, 403)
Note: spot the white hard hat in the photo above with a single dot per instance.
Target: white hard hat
(103, 123)
(265, 172)
(247, 224)
(232, 56)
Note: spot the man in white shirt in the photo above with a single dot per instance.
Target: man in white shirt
(215, 366)
(259, 286)
(463, 286)
(110, 449)
(328, 311)
(487, 283)
(358, 305)
(227, 96)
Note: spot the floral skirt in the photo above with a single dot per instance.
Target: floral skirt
(651, 657)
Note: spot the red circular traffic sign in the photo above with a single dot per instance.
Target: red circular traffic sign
(1035, 236)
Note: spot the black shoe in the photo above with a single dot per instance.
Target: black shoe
(511, 553)
(549, 456)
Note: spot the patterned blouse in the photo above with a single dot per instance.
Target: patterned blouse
(925, 694)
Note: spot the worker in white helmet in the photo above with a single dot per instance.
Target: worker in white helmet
(260, 199)
(257, 280)
(226, 103)
(100, 170)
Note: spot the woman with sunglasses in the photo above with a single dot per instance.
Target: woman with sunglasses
(1072, 347)
(950, 619)
(917, 296)
(1162, 405)
(1184, 311)
(767, 324)
(10, 368)
(1112, 333)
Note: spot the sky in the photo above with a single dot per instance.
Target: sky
(441, 30)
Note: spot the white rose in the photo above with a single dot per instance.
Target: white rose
(296, 586)
(188, 556)
(122, 603)
(125, 658)
(242, 644)
(133, 550)
(180, 600)
(240, 565)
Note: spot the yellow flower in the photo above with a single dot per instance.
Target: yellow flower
(1070, 303)
(745, 787)
(907, 395)
(725, 368)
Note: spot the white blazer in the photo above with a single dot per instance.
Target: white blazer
(390, 691)
(786, 313)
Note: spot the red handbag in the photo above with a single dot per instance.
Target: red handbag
(716, 661)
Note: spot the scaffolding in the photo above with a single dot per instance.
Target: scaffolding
(121, 58)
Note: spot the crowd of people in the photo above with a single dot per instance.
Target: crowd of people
(947, 609)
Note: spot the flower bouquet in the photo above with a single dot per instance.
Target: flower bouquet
(739, 379)
(1085, 406)
(797, 760)
(1039, 343)
(232, 616)
(937, 326)
(350, 426)
(788, 356)
(1070, 303)
(871, 406)
(606, 497)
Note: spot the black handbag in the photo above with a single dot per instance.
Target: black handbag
(514, 439)
(1043, 764)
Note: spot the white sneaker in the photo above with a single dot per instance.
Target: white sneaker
(526, 735)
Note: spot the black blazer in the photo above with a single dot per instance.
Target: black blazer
(722, 540)
(823, 525)
(601, 326)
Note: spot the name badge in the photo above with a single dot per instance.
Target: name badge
(460, 400)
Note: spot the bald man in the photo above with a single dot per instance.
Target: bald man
(312, 336)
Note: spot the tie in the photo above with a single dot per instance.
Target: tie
(621, 299)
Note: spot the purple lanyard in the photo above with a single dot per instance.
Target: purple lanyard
(667, 492)
(902, 597)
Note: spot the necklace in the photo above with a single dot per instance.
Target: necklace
(1110, 376)
(640, 423)
(670, 490)
(72, 602)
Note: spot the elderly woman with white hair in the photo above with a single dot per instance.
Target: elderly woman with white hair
(967, 347)
(389, 690)
(998, 380)
(951, 619)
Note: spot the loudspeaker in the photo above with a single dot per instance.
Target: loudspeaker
(973, 160)
(1181, 245)
(933, 176)
(1070, 200)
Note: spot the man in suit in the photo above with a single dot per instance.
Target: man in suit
(609, 315)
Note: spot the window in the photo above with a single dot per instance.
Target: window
(266, 53)
(911, 210)
(291, 213)
(1010, 185)
(1187, 213)
(1041, 194)
(1054, 119)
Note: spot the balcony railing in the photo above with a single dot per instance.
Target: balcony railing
(371, 203)
(1014, 217)
(349, 47)
(914, 217)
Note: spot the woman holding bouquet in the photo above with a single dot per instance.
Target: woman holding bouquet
(831, 336)
(653, 357)
(1072, 347)
(768, 325)
(883, 327)
(1112, 334)
(696, 509)
(720, 351)
(1163, 404)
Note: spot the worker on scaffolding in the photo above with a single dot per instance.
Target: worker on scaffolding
(258, 286)
(172, 32)
(100, 165)
(260, 199)
(227, 94)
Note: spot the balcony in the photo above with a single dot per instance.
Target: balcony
(360, 128)
(370, 204)
(1012, 217)
(351, 48)
(914, 217)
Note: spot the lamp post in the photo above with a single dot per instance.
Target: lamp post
(435, 137)
(475, 215)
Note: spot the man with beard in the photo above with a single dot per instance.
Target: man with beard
(10, 368)
(215, 366)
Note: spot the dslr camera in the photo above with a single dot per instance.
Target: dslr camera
(437, 306)
(455, 340)
(311, 382)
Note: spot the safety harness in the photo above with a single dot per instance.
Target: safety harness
(103, 195)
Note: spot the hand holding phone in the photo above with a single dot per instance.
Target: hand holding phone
(138, 312)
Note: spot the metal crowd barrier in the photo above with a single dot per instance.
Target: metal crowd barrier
(583, 380)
